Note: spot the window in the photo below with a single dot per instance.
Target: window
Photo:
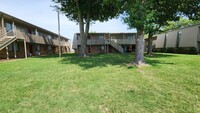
(37, 47)
(101, 47)
(8, 27)
(112, 37)
(101, 37)
(33, 32)
(130, 37)
(49, 48)
(49, 36)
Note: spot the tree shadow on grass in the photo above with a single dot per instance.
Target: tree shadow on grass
(157, 62)
(103, 60)
(162, 55)
(97, 60)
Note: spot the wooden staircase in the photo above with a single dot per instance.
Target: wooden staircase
(6, 40)
(114, 44)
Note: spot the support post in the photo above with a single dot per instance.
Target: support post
(13, 25)
(105, 43)
(7, 53)
(13, 28)
(59, 49)
(25, 52)
(2, 22)
(2, 25)
(36, 32)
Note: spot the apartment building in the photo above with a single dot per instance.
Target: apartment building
(184, 40)
(20, 39)
(106, 42)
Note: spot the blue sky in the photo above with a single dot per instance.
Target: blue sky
(39, 12)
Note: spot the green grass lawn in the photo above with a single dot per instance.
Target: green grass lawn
(102, 83)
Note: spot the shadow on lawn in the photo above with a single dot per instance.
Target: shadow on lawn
(162, 55)
(97, 60)
(103, 60)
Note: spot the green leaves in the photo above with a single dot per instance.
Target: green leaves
(182, 22)
(101, 10)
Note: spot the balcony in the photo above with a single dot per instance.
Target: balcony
(107, 41)
(38, 39)
(124, 41)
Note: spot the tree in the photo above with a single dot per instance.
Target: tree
(190, 9)
(182, 22)
(84, 12)
(136, 12)
(145, 15)
(169, 19)
(158, 17)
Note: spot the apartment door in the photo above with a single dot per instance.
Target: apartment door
(89, 51)
(110, 49)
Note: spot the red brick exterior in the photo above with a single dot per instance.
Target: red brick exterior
(19, 54)
(31, 50)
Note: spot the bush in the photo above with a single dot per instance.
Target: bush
(182, 50)
(187, 50)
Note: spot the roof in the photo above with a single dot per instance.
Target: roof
(180, 28)
(27, 23)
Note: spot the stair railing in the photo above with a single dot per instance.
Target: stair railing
(116, 45)
(11, 32)
(2, 32)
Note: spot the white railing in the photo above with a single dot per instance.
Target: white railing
(124, 41)
(2, 32)
(116, 45)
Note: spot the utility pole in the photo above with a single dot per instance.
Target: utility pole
(59, 32)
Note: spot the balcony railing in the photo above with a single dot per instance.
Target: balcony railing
(38, 39)
(124, 41)
(107, 41)
(2, 32)
(96, 41)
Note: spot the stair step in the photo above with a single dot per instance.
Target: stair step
(5, 41)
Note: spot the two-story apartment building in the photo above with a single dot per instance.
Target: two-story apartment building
(184, 40)
(20, 39)
(106, 42)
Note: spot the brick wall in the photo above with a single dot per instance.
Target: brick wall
(19, 54)
(3, 54)
(44, 50)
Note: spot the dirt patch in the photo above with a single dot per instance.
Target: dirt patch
(9, 60)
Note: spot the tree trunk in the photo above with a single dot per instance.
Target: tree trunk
(81, 28)
(149, 52)
(83, 38)
(87, 27)
(139, 53)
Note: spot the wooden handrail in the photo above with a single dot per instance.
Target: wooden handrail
(2, 32)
